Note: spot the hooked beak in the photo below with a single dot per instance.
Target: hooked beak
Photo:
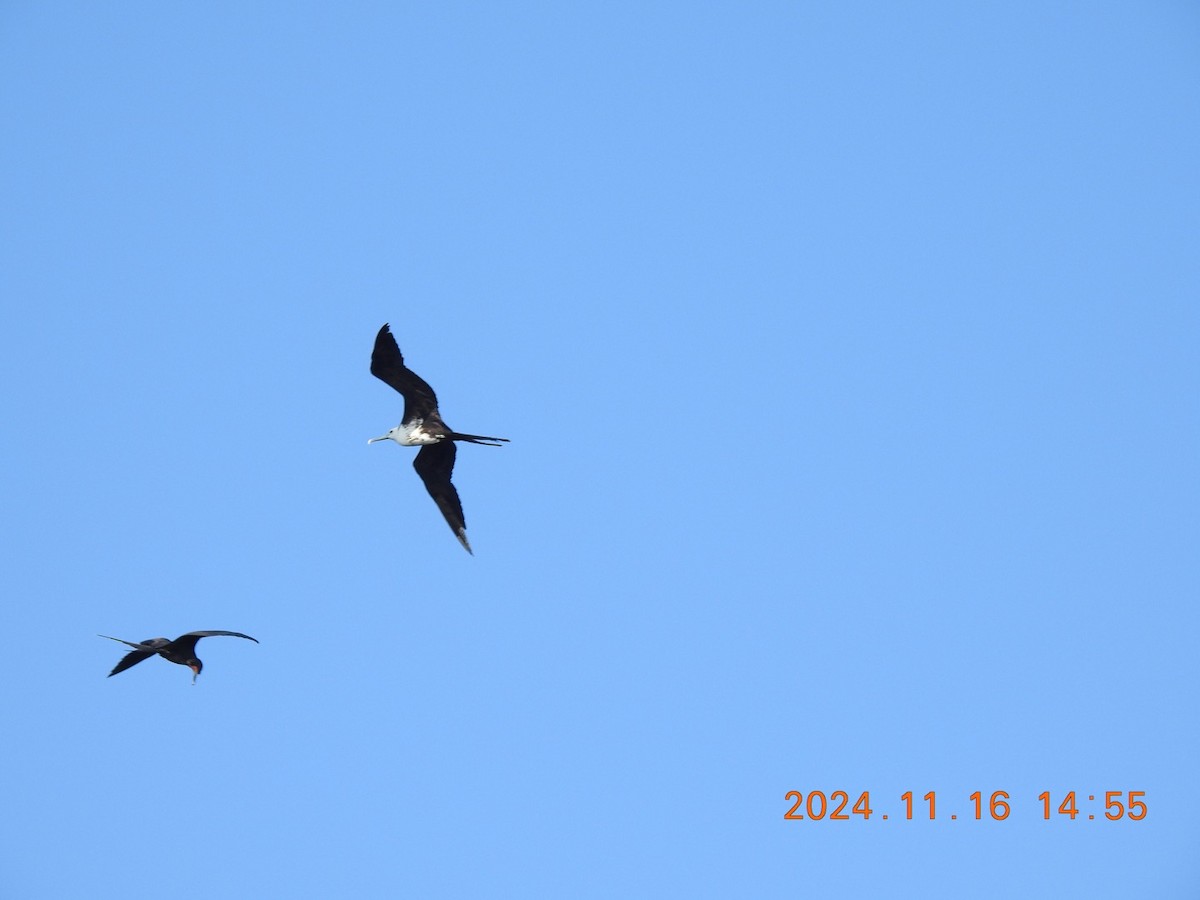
(195, 673)
(382, 437)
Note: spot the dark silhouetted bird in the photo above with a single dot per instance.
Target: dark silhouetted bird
(182, 650)
(422, 426)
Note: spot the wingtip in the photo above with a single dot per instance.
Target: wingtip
(462, 539)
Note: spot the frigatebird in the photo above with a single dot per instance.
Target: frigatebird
(182, 650)
(422, 426)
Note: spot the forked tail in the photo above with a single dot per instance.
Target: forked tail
(475, 439)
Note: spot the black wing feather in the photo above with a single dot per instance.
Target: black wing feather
(435, 463)
(186, 643)
(387, 364)
(130, 659)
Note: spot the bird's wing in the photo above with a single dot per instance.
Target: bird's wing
(186, 643)
(129, 659)
(387, 364)
(435, 463)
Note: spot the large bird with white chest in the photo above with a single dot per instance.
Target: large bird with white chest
(422, 426)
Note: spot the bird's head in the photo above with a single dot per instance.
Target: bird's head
(392, 435)
(195, 665)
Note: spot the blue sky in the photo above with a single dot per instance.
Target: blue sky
(848, 357)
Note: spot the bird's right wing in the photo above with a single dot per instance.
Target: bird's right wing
(435, 463)
(186, 643)
(199, 634)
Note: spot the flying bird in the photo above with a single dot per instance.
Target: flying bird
(422, 426)
(182, 650)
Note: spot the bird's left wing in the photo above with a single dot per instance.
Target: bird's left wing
(130, 659)
(387, 364)
(144, 650)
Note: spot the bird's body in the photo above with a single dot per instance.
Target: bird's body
(414, 434)
(182, 650)
(422, 426)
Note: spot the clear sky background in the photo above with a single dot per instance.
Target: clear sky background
(848, 354)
